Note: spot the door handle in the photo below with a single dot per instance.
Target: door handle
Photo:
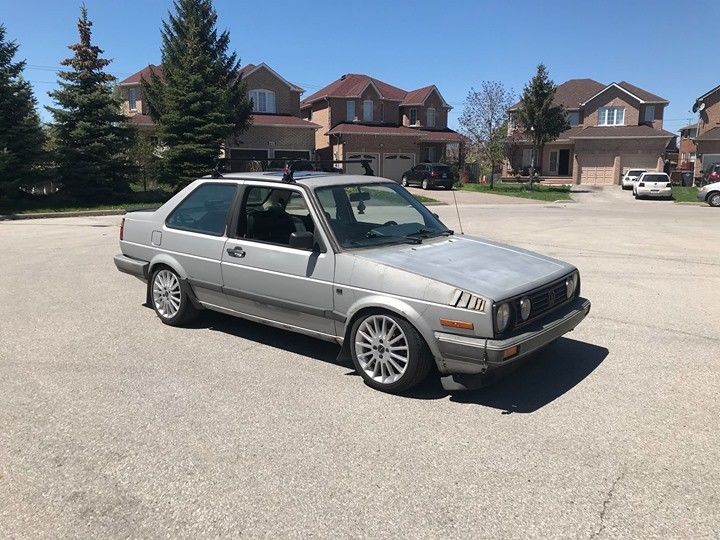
(236, 251)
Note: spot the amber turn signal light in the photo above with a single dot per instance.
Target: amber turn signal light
(457, 324)
(508, 353)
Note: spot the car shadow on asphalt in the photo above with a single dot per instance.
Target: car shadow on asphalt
(537, 381)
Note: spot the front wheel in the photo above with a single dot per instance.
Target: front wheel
(170, 298)
(425, 184)
(714, 199)
(388, 353)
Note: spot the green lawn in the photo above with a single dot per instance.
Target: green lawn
(539, 192)
(427, 201)
(685, 194)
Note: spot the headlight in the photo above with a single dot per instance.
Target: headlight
(571, 285)
(525, 308)
(502, 317)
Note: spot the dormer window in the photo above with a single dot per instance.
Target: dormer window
(132, 99)
(650, 113)
(367, 110)
(573, 118)
(611, 116)
(263, 101)
(412, 116)
(431, 117)
(350, 110)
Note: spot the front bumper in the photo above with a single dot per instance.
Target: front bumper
(134, 267)
(660, 192)
(469, 359)
(701, 195)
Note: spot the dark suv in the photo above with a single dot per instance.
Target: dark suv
(429, 175)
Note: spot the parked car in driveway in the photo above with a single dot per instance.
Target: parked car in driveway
(631, 177)
(653, 184)
(355, 260)
(710, 193)
(429, 176)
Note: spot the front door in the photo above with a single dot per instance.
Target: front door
(564, 162)
(264, 277)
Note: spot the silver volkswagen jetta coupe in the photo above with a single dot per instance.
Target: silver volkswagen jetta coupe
(356, 260)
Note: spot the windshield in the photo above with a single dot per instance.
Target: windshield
(363, 215)
(655, 178)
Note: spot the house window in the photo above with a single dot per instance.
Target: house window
(650, 113)
(132, 98)
(611, 116)
(350, 111)
(413, 116)
(367, 110)
(263, 101)
(573, 118)
(431, 117)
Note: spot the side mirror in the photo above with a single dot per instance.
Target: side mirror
(302, 240)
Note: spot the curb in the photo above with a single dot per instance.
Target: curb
(79, 213)
(564, 201)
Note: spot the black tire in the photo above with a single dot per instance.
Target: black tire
(419, 356)
(713, 199)
(404, 181)
(185, 311)
(425, 184)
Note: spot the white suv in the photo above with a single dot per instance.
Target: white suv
(631, 177)
(653, 184)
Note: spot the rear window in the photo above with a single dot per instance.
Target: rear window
(635, 172)
(655, 178)
(441, 168)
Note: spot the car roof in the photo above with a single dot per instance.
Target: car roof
(309, 178)
(654, 172)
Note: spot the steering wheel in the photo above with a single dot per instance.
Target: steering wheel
(391, 222)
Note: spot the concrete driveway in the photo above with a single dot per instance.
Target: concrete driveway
(113, 425)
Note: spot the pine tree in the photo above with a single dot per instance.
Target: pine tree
(541, 120)
(92, 139)
(21, 137)
(199, 99)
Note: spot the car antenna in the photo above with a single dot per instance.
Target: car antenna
(458, 211)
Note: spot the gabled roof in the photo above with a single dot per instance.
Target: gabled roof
(281, 120)
(419, 96)
(444, 135)
(642, 131)
(643, 96)
(575, 93)
(706, 94)
(244, 71)
(353, 85)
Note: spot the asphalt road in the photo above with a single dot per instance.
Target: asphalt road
(113, 425)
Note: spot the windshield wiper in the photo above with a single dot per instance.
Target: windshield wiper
(427, 233)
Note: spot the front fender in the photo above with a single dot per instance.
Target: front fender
(403, 308)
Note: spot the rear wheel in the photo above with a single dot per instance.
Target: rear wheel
(714, 199)
(169, 297)
(425, 184)
(388, 353)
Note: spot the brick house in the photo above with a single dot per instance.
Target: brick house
(277, 131)
(613, 127)
(687, 149)
(363, 117)
(707, 140)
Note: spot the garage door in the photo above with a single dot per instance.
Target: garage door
(394, 165)
(597, 169)
(639, 160)
(357, 168)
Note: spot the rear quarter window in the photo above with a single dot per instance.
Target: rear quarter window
(204, 210)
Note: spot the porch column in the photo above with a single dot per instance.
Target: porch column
(576, 170)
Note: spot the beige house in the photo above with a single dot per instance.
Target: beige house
(364, 118)
(613, 127)
(707, 140)
(277, 131)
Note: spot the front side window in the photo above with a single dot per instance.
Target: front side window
(132, 98)
(263, 101)
(367, 110)
(431, 117)
(350, 111)
(412, 115)
(364, 215)
(650, 113)
(611, 116)
(272, 215)
(204, 210)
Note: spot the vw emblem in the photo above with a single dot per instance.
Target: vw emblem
(551, 298)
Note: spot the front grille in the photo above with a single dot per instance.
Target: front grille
(543, 300)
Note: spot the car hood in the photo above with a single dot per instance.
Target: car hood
(490, 269)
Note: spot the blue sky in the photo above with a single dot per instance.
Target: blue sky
(667, 47)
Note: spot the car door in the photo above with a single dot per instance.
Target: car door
(263, 276)
(417, 174)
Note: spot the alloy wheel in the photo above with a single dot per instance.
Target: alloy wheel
(382, 349)
(166, 294)
(714, 199)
